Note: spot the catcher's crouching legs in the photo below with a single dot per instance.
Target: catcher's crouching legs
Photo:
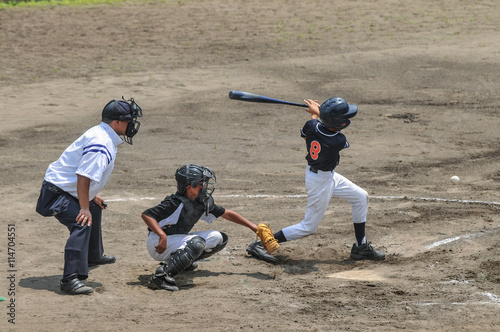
(178, 262)
(219, 247)
(206, 254)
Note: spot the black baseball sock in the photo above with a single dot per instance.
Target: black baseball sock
(359, 231)
(280, 236)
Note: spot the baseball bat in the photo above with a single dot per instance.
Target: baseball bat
(252, 97)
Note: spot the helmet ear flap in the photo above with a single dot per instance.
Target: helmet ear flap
(344, 124)
(181, 177)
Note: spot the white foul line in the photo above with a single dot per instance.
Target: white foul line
(466, 201)
(431, 199)
(493, 299)
(449, 240)
(131, 199)
(455, 238)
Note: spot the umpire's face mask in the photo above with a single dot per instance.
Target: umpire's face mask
(132, 129)
(134, 125)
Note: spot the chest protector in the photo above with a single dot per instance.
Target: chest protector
(190, 214)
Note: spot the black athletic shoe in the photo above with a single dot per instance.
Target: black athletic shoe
(162, 283)
(74, 286)
(103, 260)
(366, 251)
(256, 249)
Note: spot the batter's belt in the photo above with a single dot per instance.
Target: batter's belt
(315, 170)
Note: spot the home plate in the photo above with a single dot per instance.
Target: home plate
(366, 275)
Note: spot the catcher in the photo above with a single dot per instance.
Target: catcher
(170, 239)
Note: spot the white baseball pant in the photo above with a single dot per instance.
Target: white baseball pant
(178, 241)
(320, 187)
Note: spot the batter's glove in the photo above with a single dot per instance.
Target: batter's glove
(267, 238)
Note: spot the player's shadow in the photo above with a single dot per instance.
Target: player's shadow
(305, 266)
(49, 283)
(185, 279)
(207, 273)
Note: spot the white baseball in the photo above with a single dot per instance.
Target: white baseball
(455, 179)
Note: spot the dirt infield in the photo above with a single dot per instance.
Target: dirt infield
(426, 78)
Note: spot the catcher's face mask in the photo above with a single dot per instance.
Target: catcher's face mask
(208, 185)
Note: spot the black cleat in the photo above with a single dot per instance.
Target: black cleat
(103, 260)
(74, 286)
(366, 251)
(157, 282)
(256, 249)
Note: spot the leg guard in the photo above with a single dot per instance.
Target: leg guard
(179, 261)
(183, 258)
(218, 248)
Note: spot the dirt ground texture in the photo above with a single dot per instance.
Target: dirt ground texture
(425, 75)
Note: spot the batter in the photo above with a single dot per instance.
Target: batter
(324, 141)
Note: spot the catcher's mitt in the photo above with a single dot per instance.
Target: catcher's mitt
(267, 238)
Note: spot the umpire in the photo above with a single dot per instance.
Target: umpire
(71, 184)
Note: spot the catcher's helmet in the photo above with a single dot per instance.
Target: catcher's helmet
(335, 113)
(124, 110)
(192, 174)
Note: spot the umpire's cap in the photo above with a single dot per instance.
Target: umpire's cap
(117, 110)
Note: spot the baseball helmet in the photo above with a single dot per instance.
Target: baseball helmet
(335, 113)
(192, 175)
(124, 110)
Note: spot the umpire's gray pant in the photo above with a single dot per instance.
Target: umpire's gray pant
(84, 244)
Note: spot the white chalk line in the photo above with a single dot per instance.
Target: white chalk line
(431, 199)
(451, 239)
(129, 199)
(493, 299)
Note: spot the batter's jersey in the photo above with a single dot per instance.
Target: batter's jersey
(92, 155)
(178, 215)
(323, 145)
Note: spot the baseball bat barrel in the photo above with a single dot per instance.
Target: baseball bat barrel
(252, 97)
